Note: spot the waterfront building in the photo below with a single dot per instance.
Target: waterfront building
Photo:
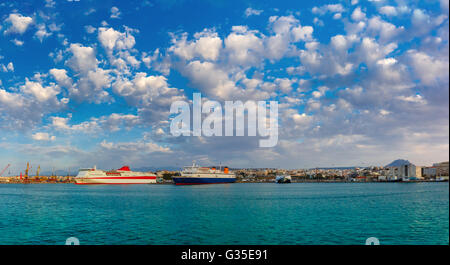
(429, 172)
(441, 168)
(403, 171)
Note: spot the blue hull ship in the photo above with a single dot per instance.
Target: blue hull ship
(194, 181)
(194, 175)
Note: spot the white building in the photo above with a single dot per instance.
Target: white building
(405, 171)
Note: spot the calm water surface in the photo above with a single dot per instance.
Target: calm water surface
(300, 213)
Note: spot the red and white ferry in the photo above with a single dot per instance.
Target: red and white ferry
(122, 175)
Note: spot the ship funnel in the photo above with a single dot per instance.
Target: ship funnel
(226, 170)
(125, 168)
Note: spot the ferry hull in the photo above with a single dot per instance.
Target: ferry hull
(116, 180)
(197, 181)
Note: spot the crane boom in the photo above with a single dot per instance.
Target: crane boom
(3, 171)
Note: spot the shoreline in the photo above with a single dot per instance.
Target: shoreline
(249, 182)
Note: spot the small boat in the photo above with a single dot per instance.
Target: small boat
(283, 179)
(405, 179)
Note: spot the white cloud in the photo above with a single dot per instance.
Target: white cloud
(210, 79)
(83, 58)
(92, 86)
(252, 12)
(115, 12)
(337, 16)
(42, 33)
(384, 112)
(62, 124)
(112, 39)
(152, 95)
(114, 121)
(61, 77)
(41, 93)
(50, 3)
(332, 8)
(93, 81)
(17, 42)
(388, 10)
(144, 147)
(385, 30)
(318, 22)
(413, 99)
(430, 70)
(19, 23)
(90, 29)
(39, 136)
(358, 15)
(8, 99)
(244, 48)
(207, 45)
(7, 68)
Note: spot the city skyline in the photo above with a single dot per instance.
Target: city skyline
(84, 83)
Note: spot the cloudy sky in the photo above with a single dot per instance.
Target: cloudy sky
(86, 82)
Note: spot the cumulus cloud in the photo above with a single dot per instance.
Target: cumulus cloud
(152, 95)
(18, 23)
(430, 70)
(40, 92)
(350, 94)
(388, 10)
(112, 39)
(358, 14)
(244, 46)
(206, 45)
(61, 77)
(83, 58)
(385, 30)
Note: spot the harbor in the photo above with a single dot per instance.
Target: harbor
(400, 171)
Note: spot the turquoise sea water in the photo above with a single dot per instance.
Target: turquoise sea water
(298, 213)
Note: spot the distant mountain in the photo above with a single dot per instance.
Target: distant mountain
(398, 162)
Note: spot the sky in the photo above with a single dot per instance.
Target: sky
(86, 82)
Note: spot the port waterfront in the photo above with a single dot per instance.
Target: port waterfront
(71, 180)
(439, 172)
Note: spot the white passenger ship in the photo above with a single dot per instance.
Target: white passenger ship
(194, 174)
(122, 175)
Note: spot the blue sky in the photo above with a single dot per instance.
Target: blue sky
(91, 82)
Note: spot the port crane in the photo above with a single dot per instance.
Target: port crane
(38, 170)
(3, 171)
(27, 170)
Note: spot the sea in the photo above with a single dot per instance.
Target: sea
(239, 213)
